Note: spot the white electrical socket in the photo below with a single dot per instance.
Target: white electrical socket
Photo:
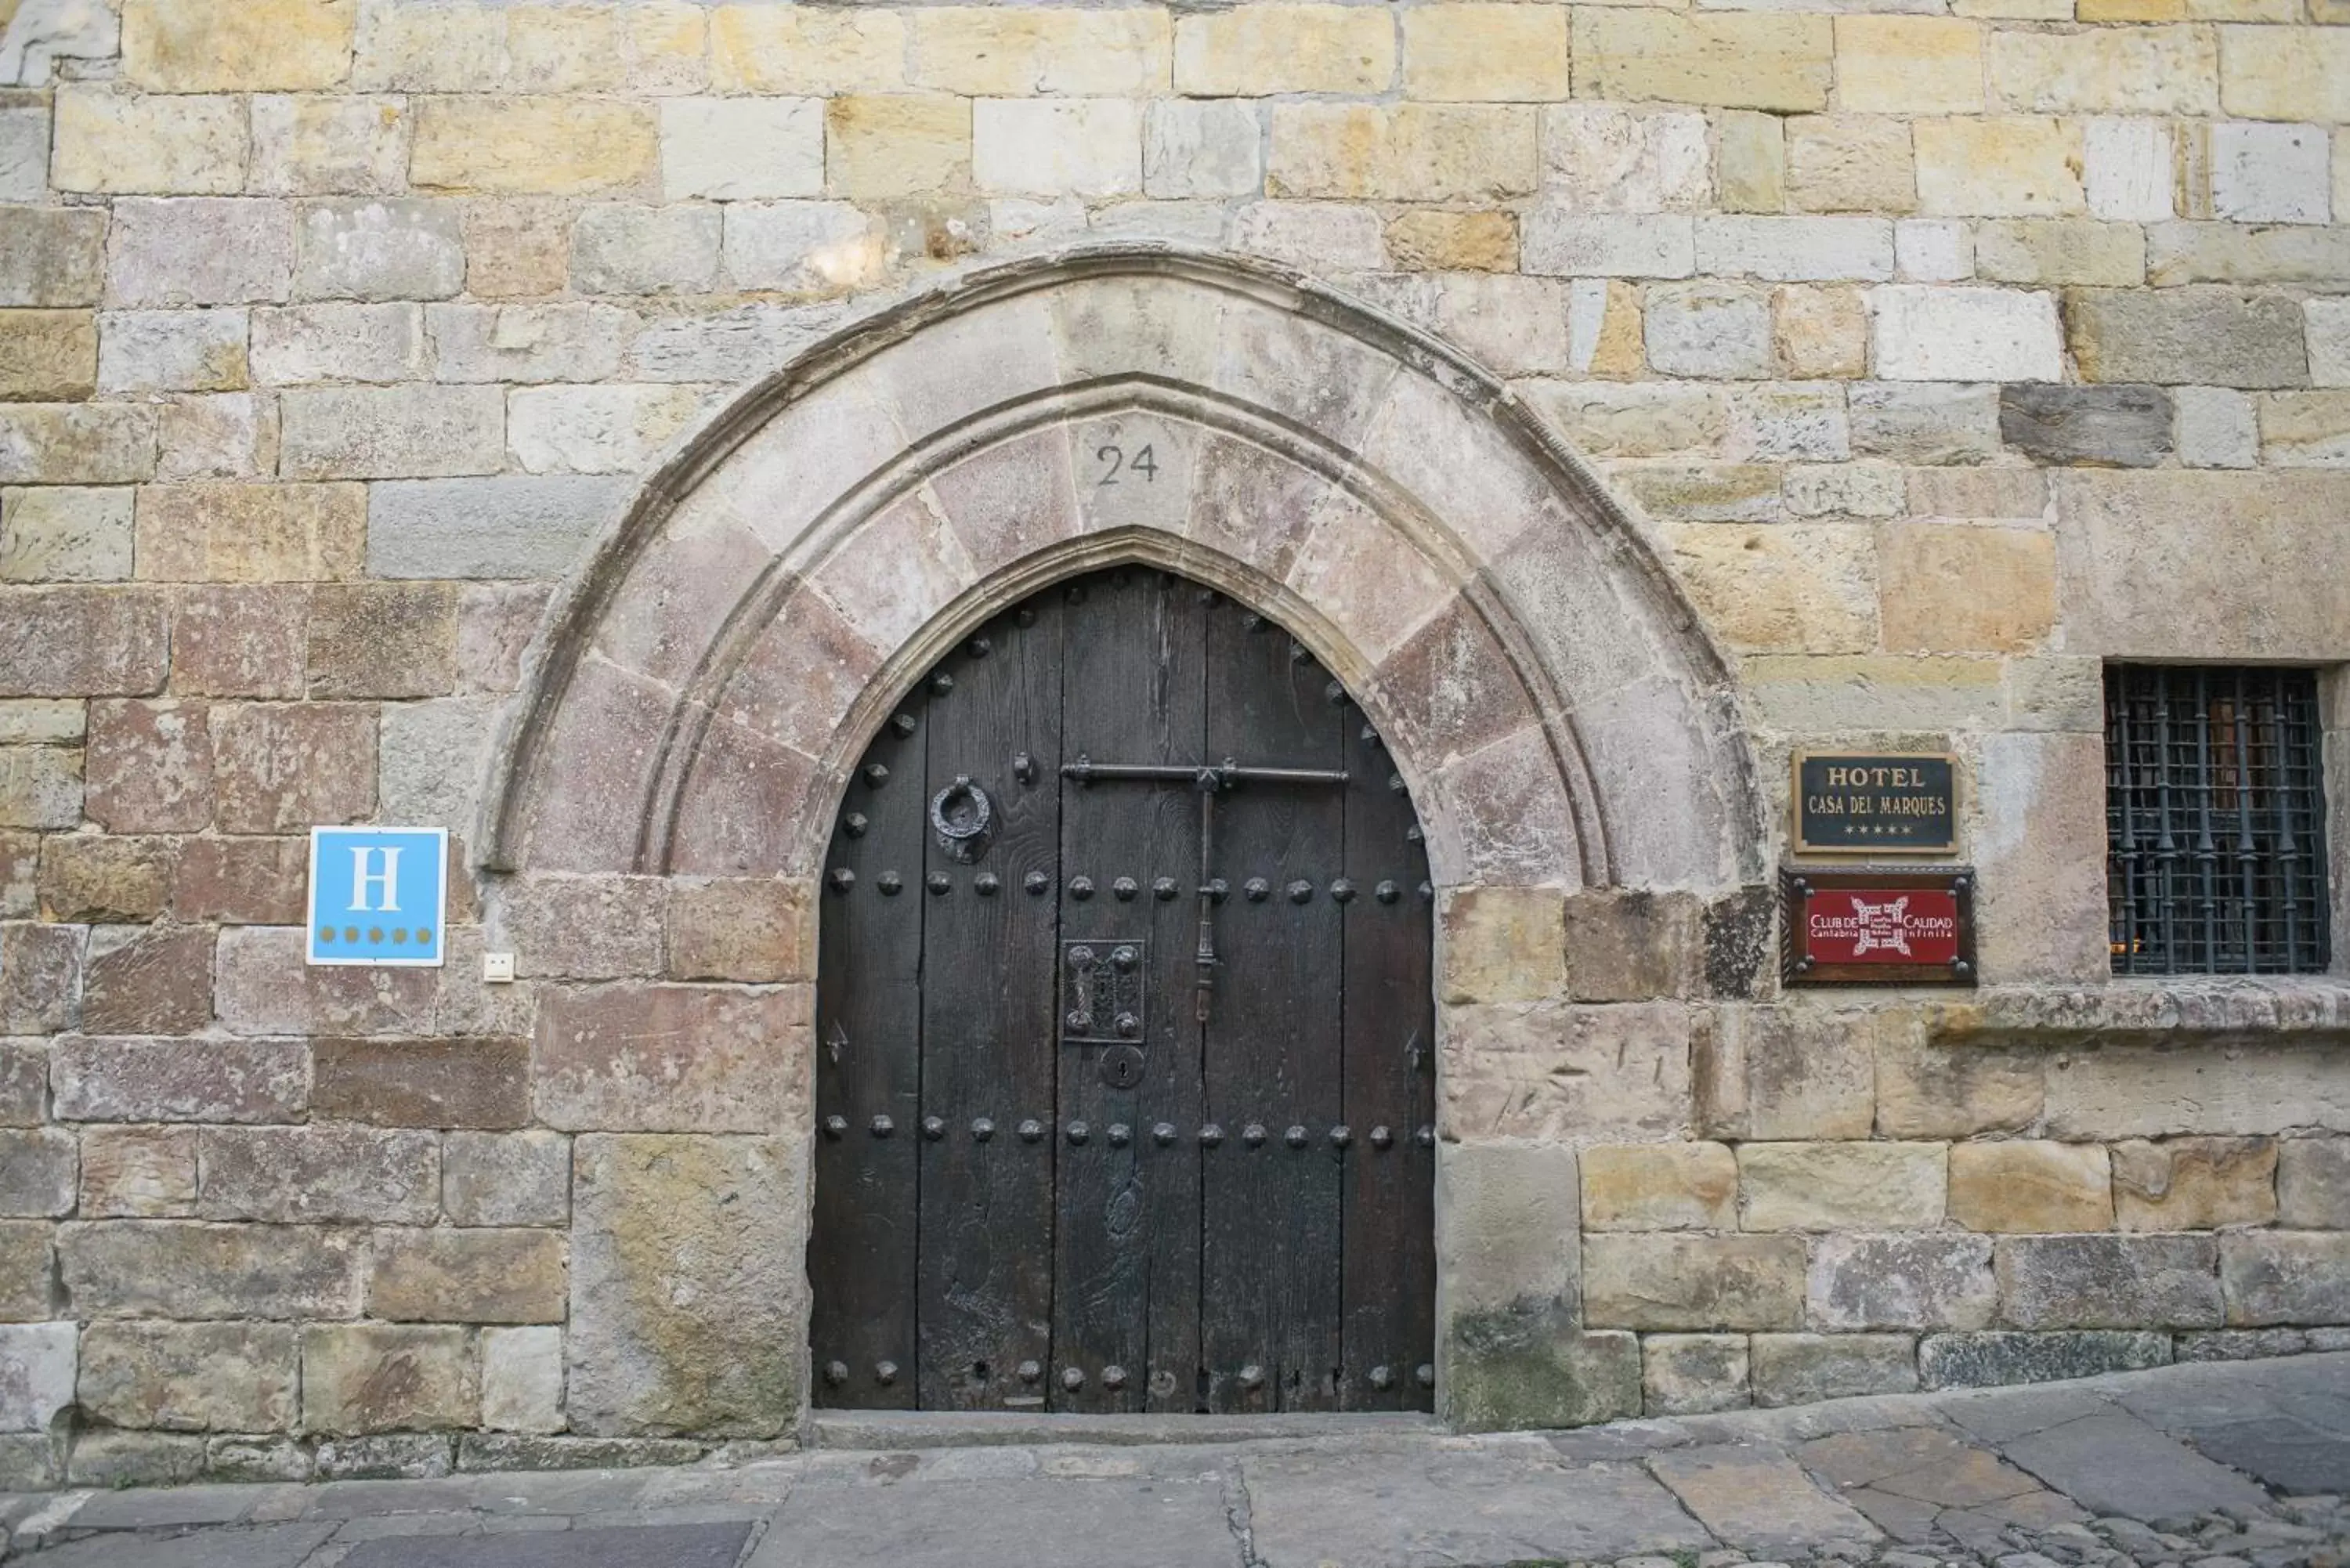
(498, 969)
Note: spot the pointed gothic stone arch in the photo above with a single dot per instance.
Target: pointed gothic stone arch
(702, 688)
(739, 633)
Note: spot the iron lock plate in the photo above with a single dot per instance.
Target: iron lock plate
(1102, 1001)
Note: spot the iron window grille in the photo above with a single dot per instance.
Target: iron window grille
(2215, 821)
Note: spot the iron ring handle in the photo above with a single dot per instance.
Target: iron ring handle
(982, 811)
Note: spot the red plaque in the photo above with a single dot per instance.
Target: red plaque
(1895, 926)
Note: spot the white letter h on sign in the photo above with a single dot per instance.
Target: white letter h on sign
(387, 879)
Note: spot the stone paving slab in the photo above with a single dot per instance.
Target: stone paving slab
(2055, 1476)
(2280, 1452)
(656, 1546)
(2116, 1463)
(1402, 1510)
(253, 1546)
(1132, 1523)
(1758, 1500)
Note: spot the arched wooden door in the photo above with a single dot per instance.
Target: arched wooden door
(1125, 1056)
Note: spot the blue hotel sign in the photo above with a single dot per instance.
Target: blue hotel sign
(378, 895)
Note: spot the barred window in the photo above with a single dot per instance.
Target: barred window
(2215, 820)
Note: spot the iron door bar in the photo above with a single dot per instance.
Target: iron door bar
(1086, 771)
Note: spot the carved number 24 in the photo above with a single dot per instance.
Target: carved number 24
(1113, 458)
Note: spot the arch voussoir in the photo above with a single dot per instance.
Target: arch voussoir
(746, 628)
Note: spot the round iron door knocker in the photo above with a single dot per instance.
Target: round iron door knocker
(960, 815)
(1121, 1066)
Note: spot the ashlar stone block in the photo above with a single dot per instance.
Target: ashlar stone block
(764, 49)
(1694, 1374)
(2029, 1185)
(2015, 567)
(199, 250)
(1561, 1072)
(290, 1175)
(1054, 147)
(24, 153)
(1840, 1186)
(2000, 167)
(555, 145)
(716, 1353)
(2194, 1183)
(65, 533)
(383, 1377)
(132, 1079)
(1783, 1073)
(52, 256)
(1708, 330)
(2275, 1277)
(1196, 148)
(595, 429)
(2209, 335)
(1729, 60)
(1659, 1186)
(237, 45)
(741, 149)
(915, 144)
(316, 145)
(669, 1058)
(409, 431)
(138, 1172)
(1908, 65)
(381, 250)
(2313, 1183)
(467, 1276)
(338, 342)
(178, 1269)
(1693, 1282)
(1920, 333)
(191, 1377)
(1796, 249)
(1254, 51)
(1802, 1368)
(1000, 52)
(83, 641)
(505, 1179)
(1463, 53)
(2271, 174)
(2126, 173)
(1850, 163)
(2151, 70)
(521, 1379)
(1917, 1282)
(36, 1374)
(2290, 74)
(226, 533)
(2109, 1282)
(111, 143)
(2329, 341)
(2060, 250)
(171, 351)
(1403, 153)
(805, 247)
(39, 1172)
(468, 1083)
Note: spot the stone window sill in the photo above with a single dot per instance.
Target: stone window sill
(2284, 1010)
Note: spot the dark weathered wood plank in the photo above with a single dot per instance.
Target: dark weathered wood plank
(988, 1030)
(1273, 1050)
(1129, 1235)
(863, 1247)
(1390, 1084)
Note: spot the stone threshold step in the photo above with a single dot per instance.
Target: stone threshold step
(992, 1428)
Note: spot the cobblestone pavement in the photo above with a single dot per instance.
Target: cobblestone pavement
(2217, 1465)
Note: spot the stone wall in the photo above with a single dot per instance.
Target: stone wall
(1939, 352)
